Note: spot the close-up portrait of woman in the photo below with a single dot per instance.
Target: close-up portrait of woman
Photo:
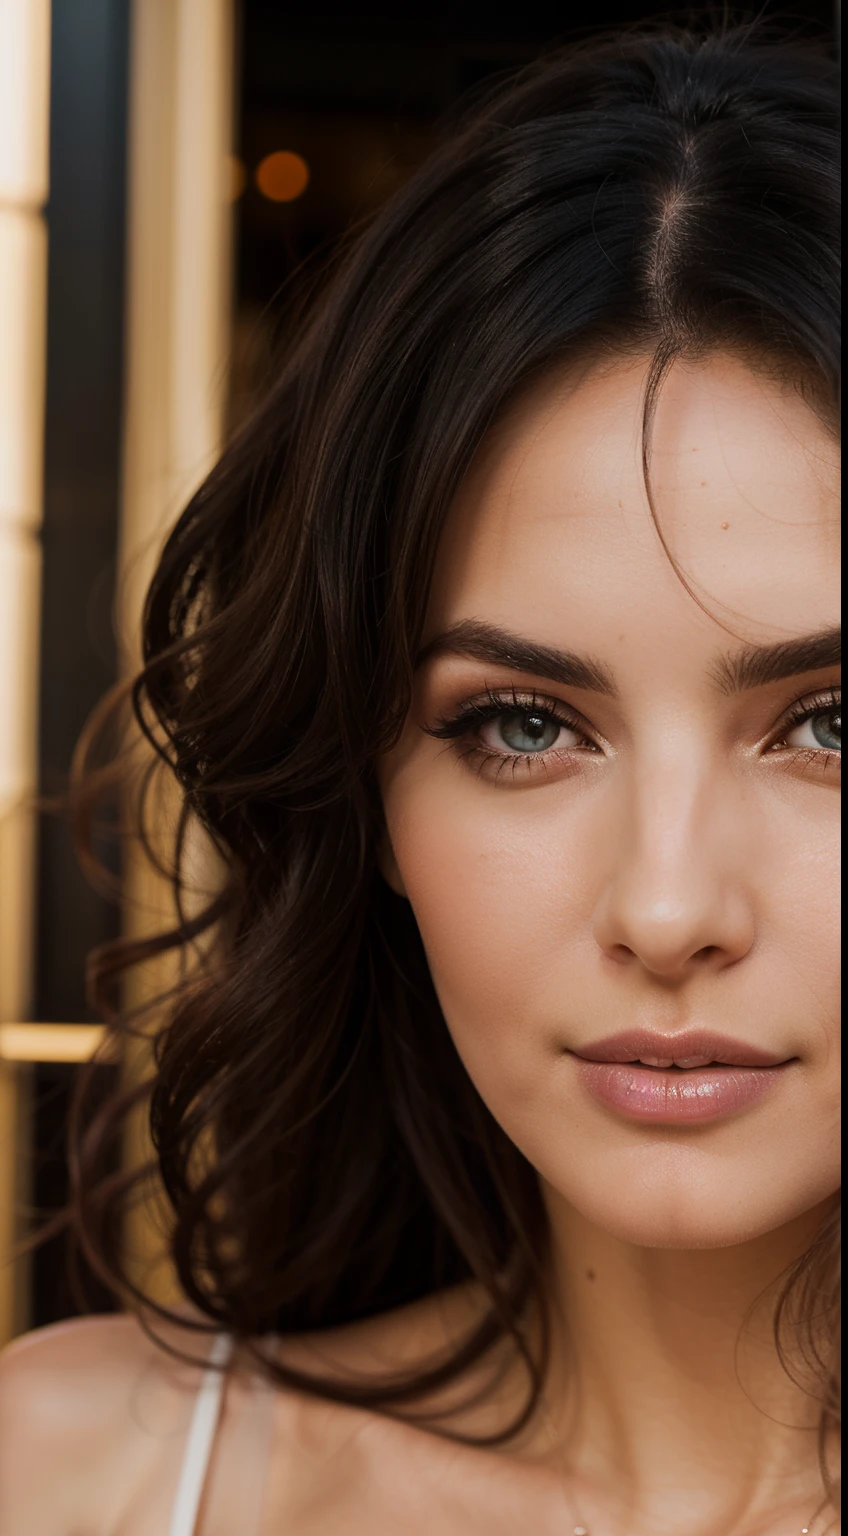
(492, 677)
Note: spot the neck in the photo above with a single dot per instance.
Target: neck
(666, 1385)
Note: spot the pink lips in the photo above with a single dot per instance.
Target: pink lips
(725, 1075)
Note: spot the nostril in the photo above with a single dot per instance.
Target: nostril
(621, 953)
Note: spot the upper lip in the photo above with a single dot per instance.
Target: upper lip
(688, 1047)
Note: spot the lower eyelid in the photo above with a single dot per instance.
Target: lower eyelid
(560, 763)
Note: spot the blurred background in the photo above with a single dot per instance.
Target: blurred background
(174, 177)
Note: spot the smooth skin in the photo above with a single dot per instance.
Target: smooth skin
(667, 857)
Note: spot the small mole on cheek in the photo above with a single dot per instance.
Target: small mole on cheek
(725, 525)
(590, 1274)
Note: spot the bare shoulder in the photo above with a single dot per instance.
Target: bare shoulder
(71, 1375)
(77, 1398)
(65, 1349)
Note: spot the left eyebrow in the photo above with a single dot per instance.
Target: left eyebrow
(760, 664)
(488, 643)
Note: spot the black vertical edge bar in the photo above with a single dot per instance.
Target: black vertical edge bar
(82, 479)
(82, 456)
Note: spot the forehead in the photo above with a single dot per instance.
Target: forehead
(553, 524)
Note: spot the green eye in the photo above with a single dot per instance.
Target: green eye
(528, 731)
(511, 729)
(827, 730)
(821, 732)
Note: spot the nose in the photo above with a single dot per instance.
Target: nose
(676, 898)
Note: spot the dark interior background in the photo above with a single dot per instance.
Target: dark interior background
(356, 90)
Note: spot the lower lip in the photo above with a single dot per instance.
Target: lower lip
(676, 1097)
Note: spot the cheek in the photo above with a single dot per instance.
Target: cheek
(801, 935)
(495, 880)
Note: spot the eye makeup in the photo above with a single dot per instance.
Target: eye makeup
(515, 715)
(819, 718)
(523, 732)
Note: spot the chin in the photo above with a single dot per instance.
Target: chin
(696, 1229)
(678, 1198)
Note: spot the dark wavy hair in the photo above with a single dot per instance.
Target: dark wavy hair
(323, 1151)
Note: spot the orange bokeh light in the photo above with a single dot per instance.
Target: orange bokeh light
(282, 176)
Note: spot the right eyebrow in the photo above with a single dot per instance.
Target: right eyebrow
(486, 642)
(758, 665)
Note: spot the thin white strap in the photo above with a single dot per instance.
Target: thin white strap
(201, 1435)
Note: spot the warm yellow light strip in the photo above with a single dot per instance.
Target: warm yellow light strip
(50, 1042)
(178, 343)
(24, 125)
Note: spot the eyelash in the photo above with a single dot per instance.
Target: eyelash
(477, 713)
(493, 705)
(827, 702)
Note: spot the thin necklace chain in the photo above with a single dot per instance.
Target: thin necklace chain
(583, 1530)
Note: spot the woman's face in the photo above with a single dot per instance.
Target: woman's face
(614, 808)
